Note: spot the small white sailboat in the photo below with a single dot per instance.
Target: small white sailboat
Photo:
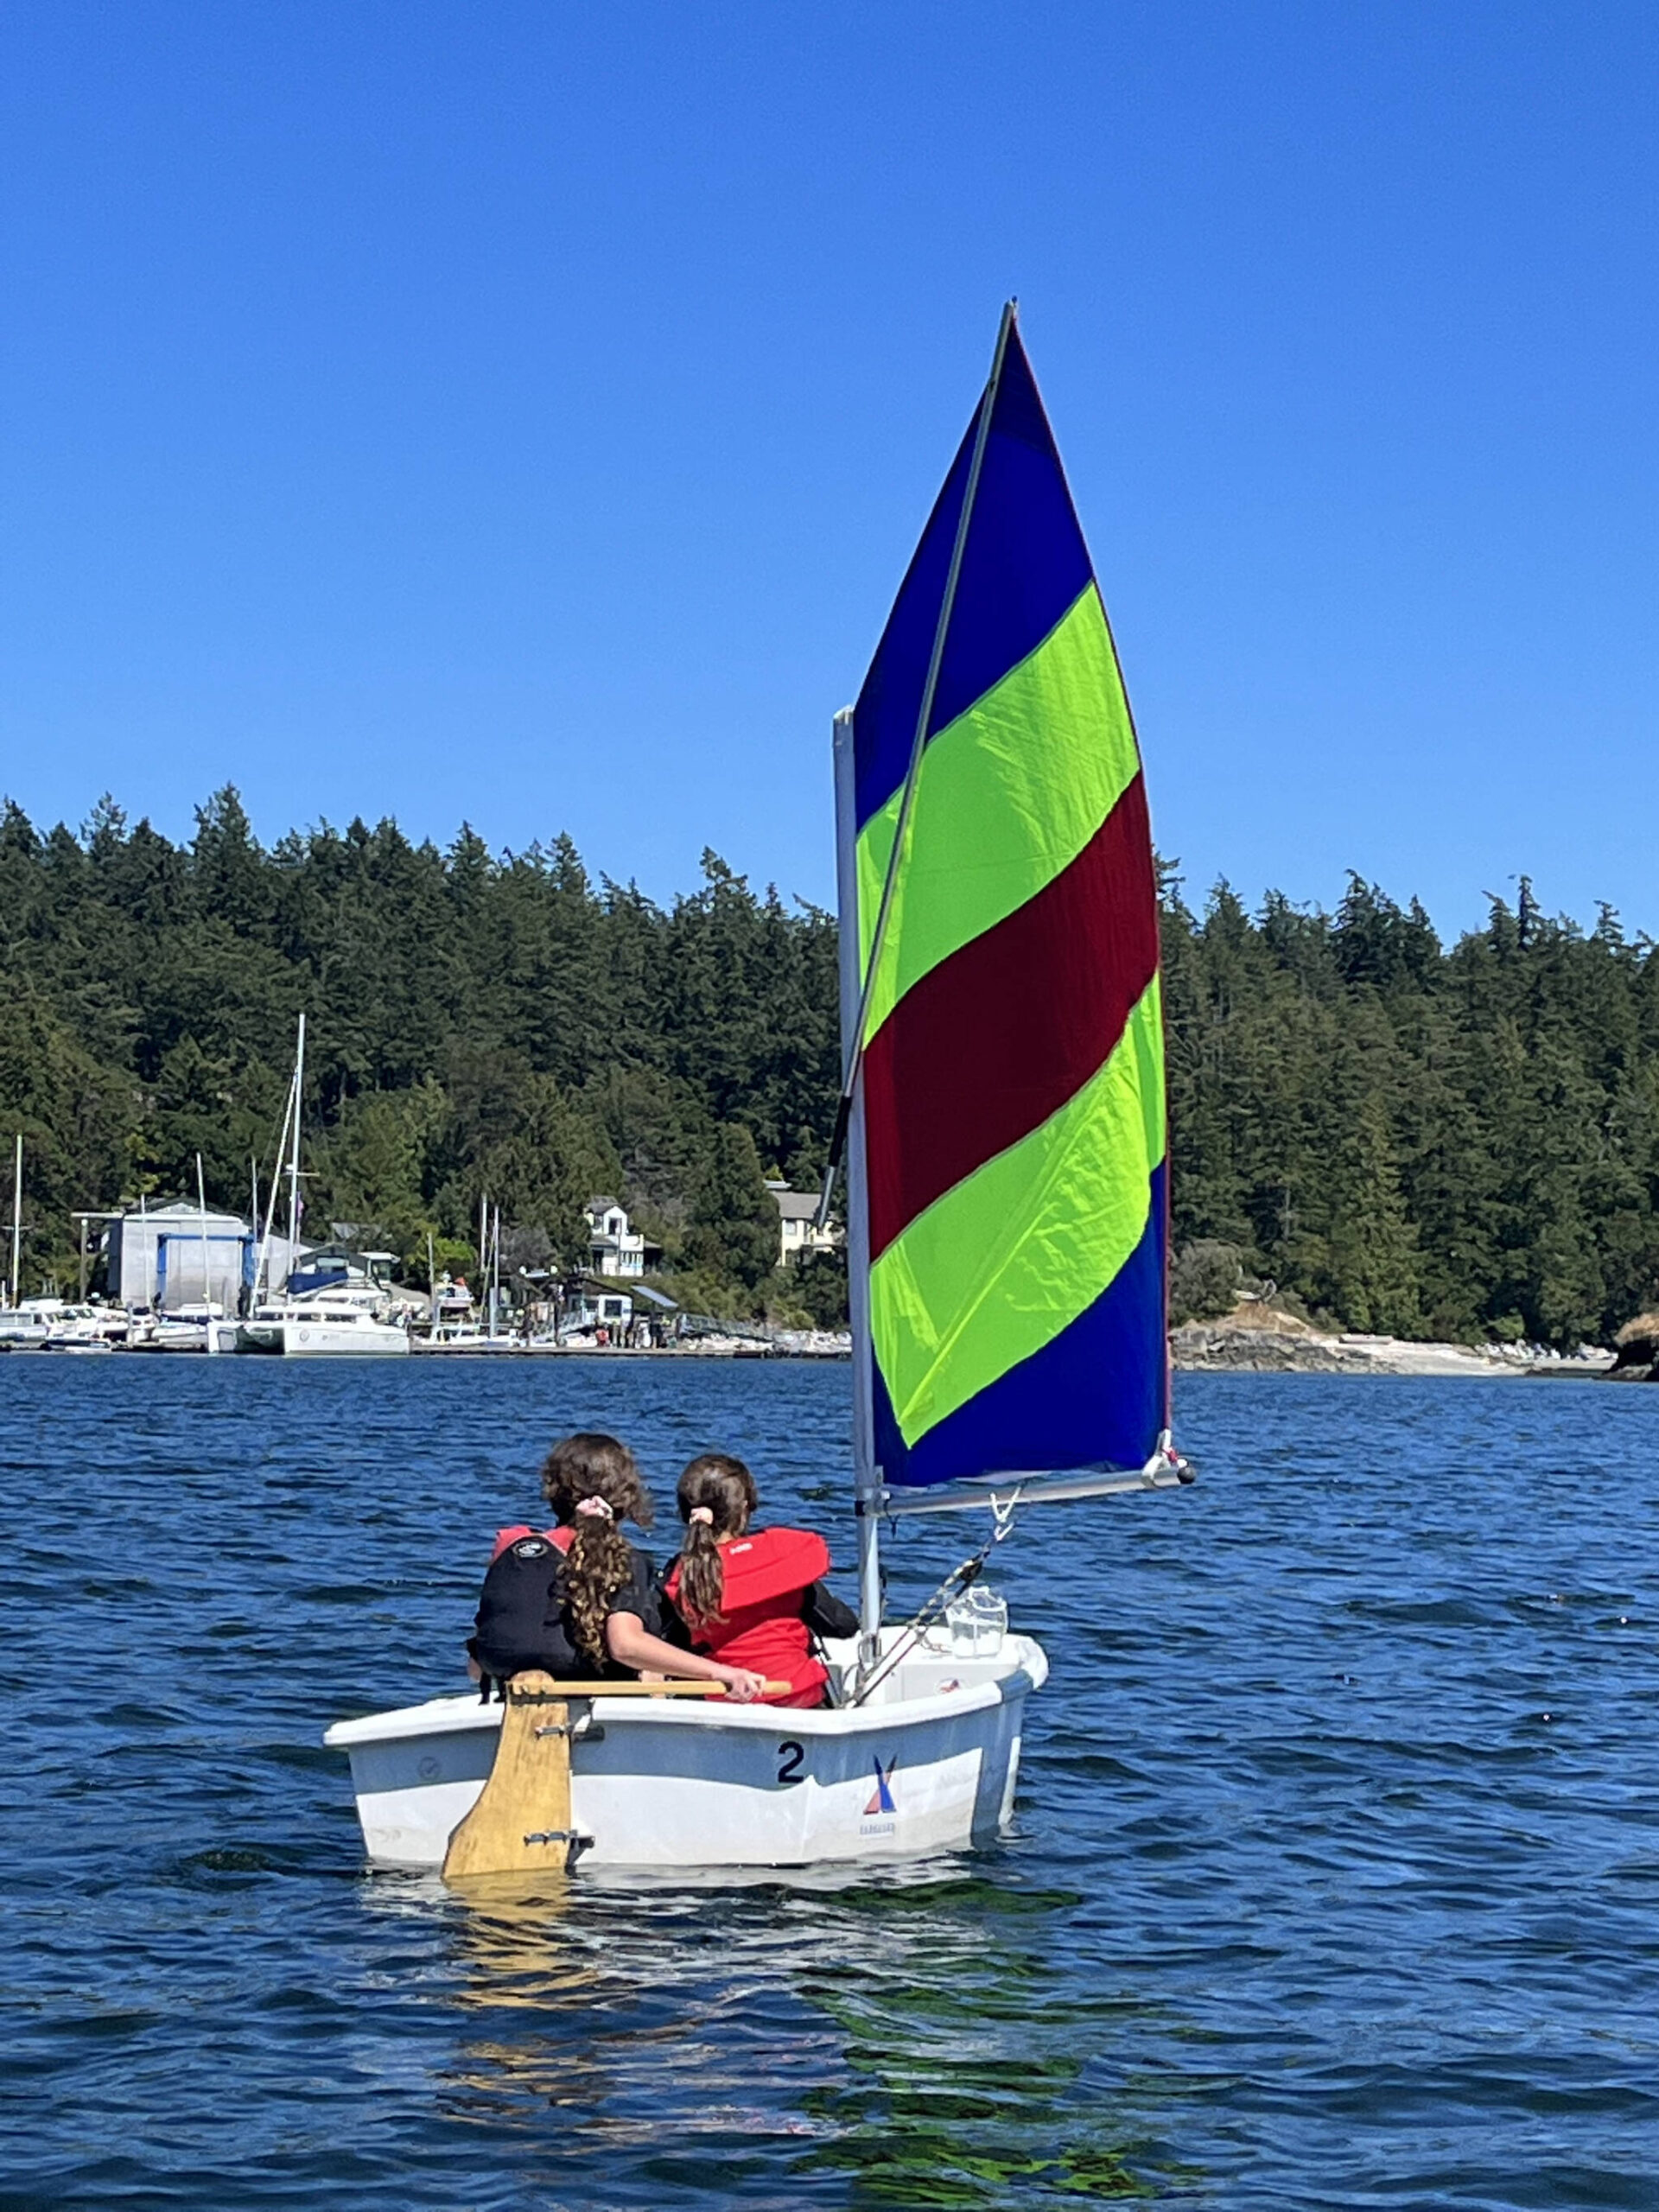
(455, 1332)
(1002, 1120)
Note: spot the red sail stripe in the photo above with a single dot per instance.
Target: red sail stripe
(992, 1041)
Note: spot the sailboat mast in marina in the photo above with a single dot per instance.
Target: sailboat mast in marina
(14, 1289)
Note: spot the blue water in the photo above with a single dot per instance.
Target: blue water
(1336, 1880)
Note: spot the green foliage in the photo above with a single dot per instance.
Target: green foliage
(1204, 1281)
(1461, 1143)
(817, 1284)
(477, 1023)
(734, 1217)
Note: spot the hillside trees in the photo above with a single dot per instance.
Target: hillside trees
(1457, 1139)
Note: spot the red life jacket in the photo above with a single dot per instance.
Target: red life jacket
(765, 1577)
(560, 1538)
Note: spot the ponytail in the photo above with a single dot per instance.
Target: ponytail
(716, 1497)
(592, 1482)
(702, 1579)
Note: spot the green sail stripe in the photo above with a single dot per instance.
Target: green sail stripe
(1006, 796)
(1001, 1264)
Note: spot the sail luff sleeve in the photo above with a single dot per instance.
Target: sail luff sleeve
(1012, 1141)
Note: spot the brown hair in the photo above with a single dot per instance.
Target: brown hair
(600, 1560)
(725, 1488)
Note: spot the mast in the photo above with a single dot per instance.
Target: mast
(294, 1158)
(208, 1331)
(858, 981)
(484, 1255)
(261, 1286)
(867, 1475)
(17, 1221)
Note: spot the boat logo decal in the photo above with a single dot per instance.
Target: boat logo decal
(882, 1800)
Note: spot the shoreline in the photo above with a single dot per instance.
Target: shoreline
(1259, 1340)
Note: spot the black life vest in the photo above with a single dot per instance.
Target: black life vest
(524, 1611)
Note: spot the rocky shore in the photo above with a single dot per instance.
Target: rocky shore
(1635, 1350)
(1259, 1339)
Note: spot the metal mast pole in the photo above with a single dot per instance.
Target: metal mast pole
(208, 1327)
(294, 1158)
(17, 1221)
(867, 1475)
(858, 981)
(261, 1286)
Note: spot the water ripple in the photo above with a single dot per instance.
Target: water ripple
(1334, 1882)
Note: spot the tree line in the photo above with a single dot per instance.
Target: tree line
(1460, 1142)
(476, 1022)
(1457, 1143)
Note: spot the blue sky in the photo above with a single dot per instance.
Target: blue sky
(525, 413)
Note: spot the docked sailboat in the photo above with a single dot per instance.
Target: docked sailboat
(1003, 1125)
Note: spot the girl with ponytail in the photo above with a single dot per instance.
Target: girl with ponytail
(754, 1597)
(577, 1599)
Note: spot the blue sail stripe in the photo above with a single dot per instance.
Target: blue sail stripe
(1025, 564)
(1094, 1396)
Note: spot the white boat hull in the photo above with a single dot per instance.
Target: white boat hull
(929, 1765)
(318, 1338)
(325, 1340)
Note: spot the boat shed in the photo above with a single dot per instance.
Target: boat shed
(165, 1256)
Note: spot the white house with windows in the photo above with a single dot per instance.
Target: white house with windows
(797, 1224)
(618, 1249)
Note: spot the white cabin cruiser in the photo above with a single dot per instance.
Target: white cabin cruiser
(1002, 1120)
(26, 1327)
(315, 1328)
(86, 1328)
(185, 1328)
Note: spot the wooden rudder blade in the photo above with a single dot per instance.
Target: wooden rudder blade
(521, 1822)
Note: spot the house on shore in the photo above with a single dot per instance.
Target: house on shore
(797, 1224)
(616, 1248)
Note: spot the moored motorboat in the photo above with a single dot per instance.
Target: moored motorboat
(86, 1328)
(314, 1328)
(26, 1327)
(464, 1340)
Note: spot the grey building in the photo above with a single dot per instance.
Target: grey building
(170, 1256)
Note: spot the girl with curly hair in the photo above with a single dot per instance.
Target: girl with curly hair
(577, 1599)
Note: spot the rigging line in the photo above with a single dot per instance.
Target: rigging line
(965, 1576)
(270, 1209)
(947, 605)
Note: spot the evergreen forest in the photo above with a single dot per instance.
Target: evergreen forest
(1456, 1141)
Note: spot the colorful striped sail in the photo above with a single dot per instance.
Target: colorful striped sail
(1011, 1171)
